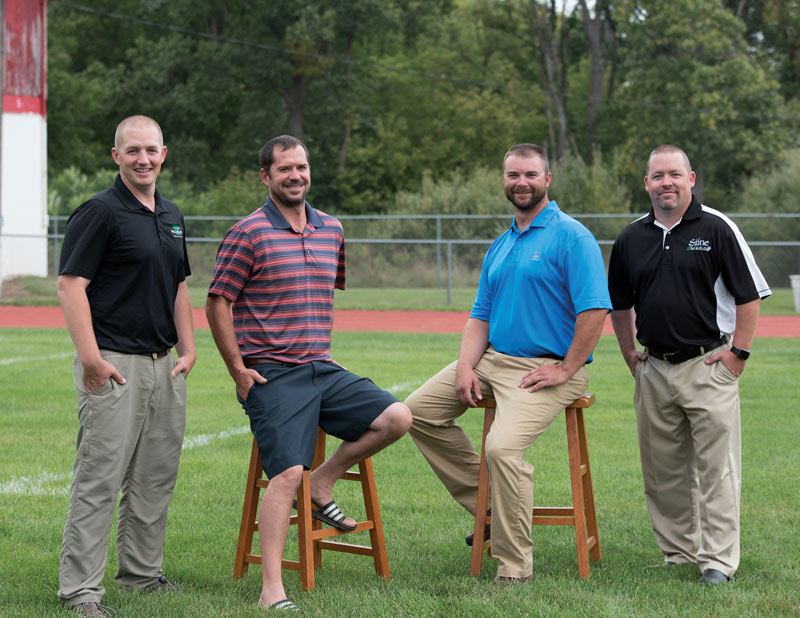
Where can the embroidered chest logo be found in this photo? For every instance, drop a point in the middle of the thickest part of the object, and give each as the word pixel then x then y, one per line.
pixel 177 232
pixel 698 244
pixel 536 257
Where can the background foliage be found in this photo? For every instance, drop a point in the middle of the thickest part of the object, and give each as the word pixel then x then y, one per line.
pixel 394 96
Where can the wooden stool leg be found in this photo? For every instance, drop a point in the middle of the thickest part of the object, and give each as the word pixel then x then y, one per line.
pixel 576 479
pixel 305 538
pixel 476 560
pixel 588 491
pixel 249 511
pixel 377 540
pixel 319 458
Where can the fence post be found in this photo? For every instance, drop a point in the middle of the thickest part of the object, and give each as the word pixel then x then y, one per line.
pixel 449 269
pixel 438 252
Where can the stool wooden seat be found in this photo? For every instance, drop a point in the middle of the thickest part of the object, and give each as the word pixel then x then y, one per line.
pixel 310 532
pixel 582 514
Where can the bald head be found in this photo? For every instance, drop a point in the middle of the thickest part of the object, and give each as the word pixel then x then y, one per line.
pixel 138 122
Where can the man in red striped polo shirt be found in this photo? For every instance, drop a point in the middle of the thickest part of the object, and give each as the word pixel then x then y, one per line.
pixel 278 268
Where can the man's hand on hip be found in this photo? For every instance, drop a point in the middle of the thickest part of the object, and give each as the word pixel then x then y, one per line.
pixel 183 365
pixel 97 374
pixel 544 376
pixel 468 387
pixel 245 380
pixel 633 358
pixel 734 364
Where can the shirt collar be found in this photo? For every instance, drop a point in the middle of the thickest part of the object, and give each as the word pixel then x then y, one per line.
pixel 279 222
pixel 543 219
pixel 129 201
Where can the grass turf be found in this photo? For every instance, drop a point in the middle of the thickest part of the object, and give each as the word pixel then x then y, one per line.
pixel 424 527
pixel 42 291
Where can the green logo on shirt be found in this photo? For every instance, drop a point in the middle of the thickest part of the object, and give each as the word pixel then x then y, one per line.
pixel 177 232
pixel 698 244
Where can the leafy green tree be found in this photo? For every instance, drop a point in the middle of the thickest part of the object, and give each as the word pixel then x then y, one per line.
pixel 443 107
pixel 690 81
pixel 774 189
pixel 773 32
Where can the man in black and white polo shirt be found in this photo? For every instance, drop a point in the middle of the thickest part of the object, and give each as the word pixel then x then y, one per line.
pixel 683 279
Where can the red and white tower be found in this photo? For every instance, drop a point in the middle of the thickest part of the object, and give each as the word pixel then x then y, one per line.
pixel 23 136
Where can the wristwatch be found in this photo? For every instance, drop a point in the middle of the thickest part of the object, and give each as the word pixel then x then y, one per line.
pixel 739 353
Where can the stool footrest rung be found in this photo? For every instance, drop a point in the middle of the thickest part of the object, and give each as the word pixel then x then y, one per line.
pixel 556 520
pixel 347 548
pixel 324 533
pixel 549 511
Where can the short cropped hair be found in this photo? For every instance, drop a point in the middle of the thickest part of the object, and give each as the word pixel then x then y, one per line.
pixel 137 120
pixel 266 157
pixel 667 149
pixel 528 150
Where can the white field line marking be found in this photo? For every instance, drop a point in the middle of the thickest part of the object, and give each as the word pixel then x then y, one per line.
pixel 402 386
pixel 204 439
pixel 50 484
pixel 43 484
pixel 22 359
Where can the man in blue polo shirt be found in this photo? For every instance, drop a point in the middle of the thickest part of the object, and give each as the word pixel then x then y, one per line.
pixel 540 307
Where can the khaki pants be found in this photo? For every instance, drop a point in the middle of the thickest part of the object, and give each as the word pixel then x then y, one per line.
pixel 130 438
pixel 521 418
pixel 690 446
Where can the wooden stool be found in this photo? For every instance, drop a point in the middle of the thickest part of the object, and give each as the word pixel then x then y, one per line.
pixel 581 514
pixel 310 533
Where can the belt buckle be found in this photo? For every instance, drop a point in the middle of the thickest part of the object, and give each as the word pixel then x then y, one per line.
pixel 668 355
pixel 154 355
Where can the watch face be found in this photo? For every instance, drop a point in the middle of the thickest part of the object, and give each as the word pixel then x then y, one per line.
pixel 742 354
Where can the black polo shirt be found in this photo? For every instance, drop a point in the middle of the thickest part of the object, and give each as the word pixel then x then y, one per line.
pixel 134 258
pixel 684 285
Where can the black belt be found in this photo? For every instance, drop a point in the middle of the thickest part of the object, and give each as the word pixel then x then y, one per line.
pixel 155 355
pixel 553 356
pixel 679 356
pixel 249 362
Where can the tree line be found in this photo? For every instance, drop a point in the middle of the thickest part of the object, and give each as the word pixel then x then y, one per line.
pixel 397 97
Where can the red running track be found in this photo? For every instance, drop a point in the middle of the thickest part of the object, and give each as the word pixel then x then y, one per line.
pixel 348 320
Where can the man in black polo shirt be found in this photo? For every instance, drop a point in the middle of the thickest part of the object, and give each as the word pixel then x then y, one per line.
pixel 123 292
pixel 685 279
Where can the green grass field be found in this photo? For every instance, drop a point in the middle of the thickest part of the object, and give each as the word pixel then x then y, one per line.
pixel 42 291
pixel 424 528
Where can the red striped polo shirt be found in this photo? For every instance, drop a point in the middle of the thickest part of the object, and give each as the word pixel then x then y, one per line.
pixel 281 283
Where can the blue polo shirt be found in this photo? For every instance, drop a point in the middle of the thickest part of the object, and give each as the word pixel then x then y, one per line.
pixel 536 281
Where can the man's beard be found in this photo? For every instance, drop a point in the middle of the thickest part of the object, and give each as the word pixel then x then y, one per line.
pixel 284 198
pixel 535 197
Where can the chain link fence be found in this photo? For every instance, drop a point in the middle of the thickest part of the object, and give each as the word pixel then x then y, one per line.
pixel 417 251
